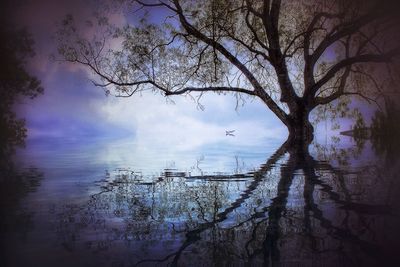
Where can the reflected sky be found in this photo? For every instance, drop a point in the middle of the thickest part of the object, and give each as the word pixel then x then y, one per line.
pixel 72 166
pixel 114 203
pixel 106 153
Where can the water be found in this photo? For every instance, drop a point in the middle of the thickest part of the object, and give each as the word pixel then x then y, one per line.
pixel 118 203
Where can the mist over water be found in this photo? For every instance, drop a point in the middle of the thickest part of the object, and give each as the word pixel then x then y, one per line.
pixel 91 202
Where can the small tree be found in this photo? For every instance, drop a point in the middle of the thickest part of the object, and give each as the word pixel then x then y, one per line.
pixel 292 55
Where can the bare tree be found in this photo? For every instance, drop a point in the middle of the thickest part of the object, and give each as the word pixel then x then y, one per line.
pixel 292 55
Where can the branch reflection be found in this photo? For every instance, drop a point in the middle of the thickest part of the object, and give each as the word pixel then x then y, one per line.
pixel 293 210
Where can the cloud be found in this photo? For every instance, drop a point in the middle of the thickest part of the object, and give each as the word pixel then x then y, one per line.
pixel 184 127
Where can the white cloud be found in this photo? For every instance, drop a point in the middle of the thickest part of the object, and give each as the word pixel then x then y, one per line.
pixel 183 127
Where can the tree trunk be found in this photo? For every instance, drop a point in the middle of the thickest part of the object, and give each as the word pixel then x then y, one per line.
pixel 301 131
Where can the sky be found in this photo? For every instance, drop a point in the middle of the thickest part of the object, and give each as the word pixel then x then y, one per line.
pixel 72 107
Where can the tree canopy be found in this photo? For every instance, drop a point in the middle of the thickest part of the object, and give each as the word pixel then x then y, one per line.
pixel 292 55
pixel 16 47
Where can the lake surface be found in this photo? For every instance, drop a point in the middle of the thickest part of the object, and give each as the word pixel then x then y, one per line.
pixel 117 203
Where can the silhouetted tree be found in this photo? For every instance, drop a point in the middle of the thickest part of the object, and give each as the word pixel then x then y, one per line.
pixel 16 47
pixel 385 128
pixel 293 55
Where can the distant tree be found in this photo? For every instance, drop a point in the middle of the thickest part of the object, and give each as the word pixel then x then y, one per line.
pixel 16 47
pixel 294 56
pixel 385 129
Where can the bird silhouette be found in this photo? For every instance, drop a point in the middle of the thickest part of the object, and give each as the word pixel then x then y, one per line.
pixel 229 133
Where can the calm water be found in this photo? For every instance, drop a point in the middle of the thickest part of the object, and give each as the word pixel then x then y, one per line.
pixel 118 203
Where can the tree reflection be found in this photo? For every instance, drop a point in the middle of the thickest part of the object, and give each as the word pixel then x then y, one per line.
pixel 16 219
pixel 293 209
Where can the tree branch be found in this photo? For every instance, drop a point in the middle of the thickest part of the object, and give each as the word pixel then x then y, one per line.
pixel 210 89
pixel 337 94
pixel 372 58
pixel 337 34
pixel 254 32
pixel 258 89
pixel 159 4
pixel 252 10
pixel 309 79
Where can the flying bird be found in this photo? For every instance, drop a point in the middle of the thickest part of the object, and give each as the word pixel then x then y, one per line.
pixel 229 133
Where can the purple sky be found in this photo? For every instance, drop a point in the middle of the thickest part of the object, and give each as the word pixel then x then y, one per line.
pixel 73 107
